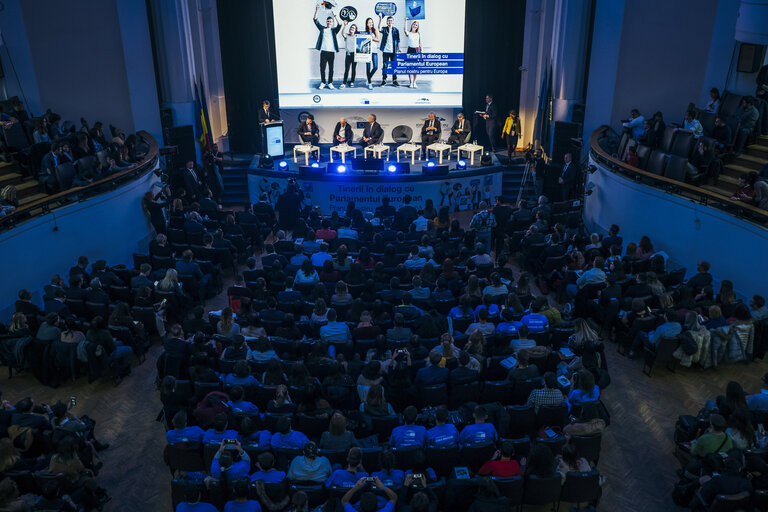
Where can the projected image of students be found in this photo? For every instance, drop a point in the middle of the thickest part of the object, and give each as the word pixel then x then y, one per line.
pixel 371 67
pixel 414 45
pixel 349 60
pixel 327 45
pixel 390 45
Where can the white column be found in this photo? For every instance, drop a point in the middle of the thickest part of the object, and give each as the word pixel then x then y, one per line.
pixel 175 62
pixel 570 38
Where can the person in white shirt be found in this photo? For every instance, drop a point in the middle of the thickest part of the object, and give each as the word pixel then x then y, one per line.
pixel 692 125
pixel 414 45
pixel 345 231
pixel 421 222
pixel 327 45
pixel 635 124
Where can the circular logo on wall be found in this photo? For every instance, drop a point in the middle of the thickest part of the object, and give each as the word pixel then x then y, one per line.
pixel 316 98
pixel 348 14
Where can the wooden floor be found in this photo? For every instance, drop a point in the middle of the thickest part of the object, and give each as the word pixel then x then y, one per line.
pixel 636 455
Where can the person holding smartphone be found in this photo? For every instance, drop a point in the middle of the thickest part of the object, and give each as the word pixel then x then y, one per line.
pixel 368 500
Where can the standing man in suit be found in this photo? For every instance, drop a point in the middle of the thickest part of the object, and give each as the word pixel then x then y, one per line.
pixel 309 132
pixel 430 133
pixel 193 180
pixel 372 134
pixel 490 120
pixel 48 167
pixel 342 134
pixel 267 114
pixel 567 179
pixel 459 131
pixel 327 45
pixel 390 45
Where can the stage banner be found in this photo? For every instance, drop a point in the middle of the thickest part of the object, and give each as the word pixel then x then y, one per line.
pixel 464 193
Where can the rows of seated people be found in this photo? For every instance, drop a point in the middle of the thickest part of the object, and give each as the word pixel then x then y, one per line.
pixel 722 452
pixel 60 156
pixel 49 458
pixel 278 364
pixel 281 420
pixel 635 300
pixel 695 150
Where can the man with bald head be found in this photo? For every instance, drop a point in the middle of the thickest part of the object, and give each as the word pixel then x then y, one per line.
pixel 343 132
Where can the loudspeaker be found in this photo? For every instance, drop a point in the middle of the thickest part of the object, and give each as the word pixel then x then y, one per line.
pixel 561 140
pixel 184 138
pixel 398 168
pixel 307 172
pixel 750 57
pixel 436 170
pixel 372 164
pixel 486 159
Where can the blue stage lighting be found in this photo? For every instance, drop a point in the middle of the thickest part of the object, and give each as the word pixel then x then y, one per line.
pixel 461 164
pixel 341 169
pixel 283 165
pixel 315 165
pixel 392 168
pixel 430 163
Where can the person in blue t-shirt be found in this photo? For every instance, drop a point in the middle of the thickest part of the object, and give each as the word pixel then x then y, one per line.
pixel 219 432
pixel 181 433
pixel 536 322
pixel 408 434
pixel 388 475
pixel 249 436
pixel 241 376
pixel 479 432
pixel 442 435
pixel 267 472
pixel 237 403
pixel 287 438
pixel 508 326
pixel 192 503
pixel 224 463
pixel 348 477
pixel 241 503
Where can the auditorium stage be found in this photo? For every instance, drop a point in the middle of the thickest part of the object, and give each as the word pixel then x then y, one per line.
pixel 459 190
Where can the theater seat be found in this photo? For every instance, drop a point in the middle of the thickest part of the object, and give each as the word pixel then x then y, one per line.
pixel 643 154
pixel 667 138
pixel 676 168
pixel 682 144
pixel 657 162
pixel 729 104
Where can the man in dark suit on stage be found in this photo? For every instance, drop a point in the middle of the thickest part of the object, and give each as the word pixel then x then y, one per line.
pixel 308 131
pixel 490 120
pixel 192 181
pixel 459 131
pixel 567 178
pixel 267 114
pixel 430 133
pixel 342 134
pixel 372 134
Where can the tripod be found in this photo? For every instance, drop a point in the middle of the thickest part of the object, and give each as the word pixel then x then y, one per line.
pixel 526 185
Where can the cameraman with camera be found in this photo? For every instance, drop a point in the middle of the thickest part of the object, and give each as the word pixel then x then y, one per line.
pixel 368 500
pixel 538 166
